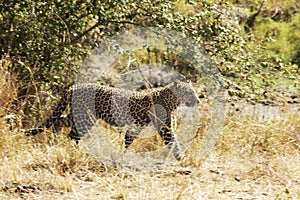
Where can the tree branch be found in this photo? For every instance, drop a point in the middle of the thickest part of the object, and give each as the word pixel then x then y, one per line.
pixel 85 32
pixel 98 24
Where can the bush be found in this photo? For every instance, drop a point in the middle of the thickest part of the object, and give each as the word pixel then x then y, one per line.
pixel 46 41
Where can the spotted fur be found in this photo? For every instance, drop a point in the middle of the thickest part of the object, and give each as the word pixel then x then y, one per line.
pixel 120 107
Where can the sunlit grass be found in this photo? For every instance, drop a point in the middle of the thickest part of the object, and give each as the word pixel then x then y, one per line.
pixel 252 158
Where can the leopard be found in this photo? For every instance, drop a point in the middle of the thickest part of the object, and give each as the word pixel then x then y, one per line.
pixel 119 107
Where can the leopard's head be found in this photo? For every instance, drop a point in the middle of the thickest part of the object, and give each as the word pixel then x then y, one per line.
pixel 184 93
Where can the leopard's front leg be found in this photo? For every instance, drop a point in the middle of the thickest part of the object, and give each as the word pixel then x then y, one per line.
pixel 170 140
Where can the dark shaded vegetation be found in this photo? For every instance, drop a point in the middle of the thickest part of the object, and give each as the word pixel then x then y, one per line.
pixel 253 43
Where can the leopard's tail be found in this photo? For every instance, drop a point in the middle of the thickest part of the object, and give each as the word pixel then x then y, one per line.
pixel 56 115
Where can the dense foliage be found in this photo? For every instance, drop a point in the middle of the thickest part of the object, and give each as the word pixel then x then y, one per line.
pixel 45 41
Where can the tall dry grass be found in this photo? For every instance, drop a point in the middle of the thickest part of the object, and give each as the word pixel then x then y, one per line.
pixel 253 159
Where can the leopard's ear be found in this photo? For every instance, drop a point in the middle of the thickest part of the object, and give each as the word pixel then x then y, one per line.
pixel 177 83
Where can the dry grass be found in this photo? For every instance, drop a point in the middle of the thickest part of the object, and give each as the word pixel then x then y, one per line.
pixel 250 161
pixel 253 160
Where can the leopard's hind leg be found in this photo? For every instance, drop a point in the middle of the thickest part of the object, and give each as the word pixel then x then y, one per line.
pixel 130 136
